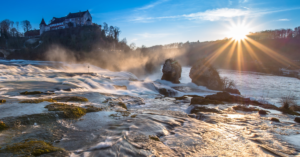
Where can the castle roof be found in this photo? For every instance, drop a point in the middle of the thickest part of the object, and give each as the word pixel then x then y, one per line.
pixel 32 33
pixel 43 22
pixel 74 15
pixel 58 20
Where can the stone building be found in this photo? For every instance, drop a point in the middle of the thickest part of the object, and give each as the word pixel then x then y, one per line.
pixel 71 20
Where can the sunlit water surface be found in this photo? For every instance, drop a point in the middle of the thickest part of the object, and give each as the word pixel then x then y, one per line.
pixel 117 132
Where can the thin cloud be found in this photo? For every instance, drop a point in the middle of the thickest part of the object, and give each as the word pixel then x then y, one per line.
pixel 152 35
pixel 283 20
pixel 215 14
pixel 151 5
pixel 243 1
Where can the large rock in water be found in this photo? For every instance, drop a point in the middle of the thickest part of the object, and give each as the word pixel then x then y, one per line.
pixel 171 71
pixel 203 74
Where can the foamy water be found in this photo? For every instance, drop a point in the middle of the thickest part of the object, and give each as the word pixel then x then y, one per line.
pixel 113 132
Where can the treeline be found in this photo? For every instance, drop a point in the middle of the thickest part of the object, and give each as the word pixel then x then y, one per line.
pixel 276 34
pixel 10 34
pixel 265 51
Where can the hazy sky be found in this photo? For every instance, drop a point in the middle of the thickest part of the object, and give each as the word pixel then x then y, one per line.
pixel 161 22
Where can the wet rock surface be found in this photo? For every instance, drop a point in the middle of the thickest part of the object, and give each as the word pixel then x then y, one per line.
pixel 232 91
pixel 150 125
pixel 297 119
pixel 203 74
pixel 171 71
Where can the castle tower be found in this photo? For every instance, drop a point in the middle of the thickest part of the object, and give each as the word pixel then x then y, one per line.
pixel 42 26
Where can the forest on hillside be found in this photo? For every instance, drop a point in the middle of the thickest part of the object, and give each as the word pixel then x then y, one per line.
pixel 264 51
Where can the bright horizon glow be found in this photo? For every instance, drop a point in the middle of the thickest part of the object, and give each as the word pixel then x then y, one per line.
pixel 238 32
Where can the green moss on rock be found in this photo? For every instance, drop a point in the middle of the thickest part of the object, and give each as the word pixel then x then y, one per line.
pixel 3 126
pixel 133 116
pixel 155 138
pixel 70 111
pixel 35 148
pixel 76 112
pixel 31 93
pixel 36 101
pixel 91 108
pixel 71 98
pixel 122 105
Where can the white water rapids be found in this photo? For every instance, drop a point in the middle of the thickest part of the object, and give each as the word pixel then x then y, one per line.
pixel 115 132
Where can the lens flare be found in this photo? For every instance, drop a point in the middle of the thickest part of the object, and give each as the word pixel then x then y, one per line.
pixel 238 32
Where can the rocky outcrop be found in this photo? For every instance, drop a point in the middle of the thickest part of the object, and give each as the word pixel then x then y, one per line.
pixel 232 91
pixel 274 119
pixel 297 119
pixel 204 74
pixel 167 92
pixel 171 71
pixel 202 101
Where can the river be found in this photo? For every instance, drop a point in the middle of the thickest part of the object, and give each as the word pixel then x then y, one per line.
pixel 116 131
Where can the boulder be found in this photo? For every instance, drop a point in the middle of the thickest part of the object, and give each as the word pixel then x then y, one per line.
pixel 262 112
pixel 232 91
pixel 297 119
pixel 171 71
pixel 225 96
pixel 274 120
pixel 244 108
pixel 204 74
pixel 202 101
pixel 167 92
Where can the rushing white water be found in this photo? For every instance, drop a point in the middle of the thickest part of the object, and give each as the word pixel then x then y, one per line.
pixel 252 84
pixel 115 131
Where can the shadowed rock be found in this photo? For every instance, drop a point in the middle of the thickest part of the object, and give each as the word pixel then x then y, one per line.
pixel 202 101
pixel 171 71
pixel 262 112
pixel 297 119
pixel 203 74
pixel 232 91
pixel 275 120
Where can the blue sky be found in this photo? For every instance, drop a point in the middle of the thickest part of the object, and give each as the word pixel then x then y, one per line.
pixel 158 22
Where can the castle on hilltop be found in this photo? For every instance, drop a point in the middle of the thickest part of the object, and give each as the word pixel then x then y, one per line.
pixel 71 20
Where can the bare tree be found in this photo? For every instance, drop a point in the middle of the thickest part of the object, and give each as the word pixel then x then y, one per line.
pixel 132 46
pixel 12 23
pixel 116 33
pixel 228 84
pixel 26 25
pixel 288 101
pixel 111 31
pixel 13 32
pixel 17 24
pixel 4 27
pixel 105 28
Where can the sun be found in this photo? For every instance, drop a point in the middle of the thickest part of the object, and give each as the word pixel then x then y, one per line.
pixel 238 32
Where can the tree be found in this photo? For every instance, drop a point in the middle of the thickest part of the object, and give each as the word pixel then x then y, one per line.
pixel 105 28
pixel 26 25
pixel 116 33
pixel 111 31
pixel 17 25
pixel 13 32
pixel 12 23
pixel 4 27
pixel 132 46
